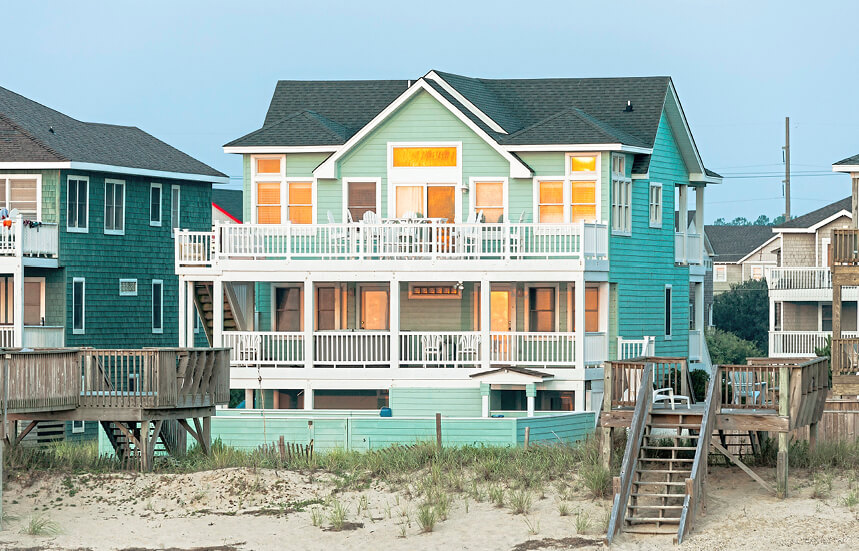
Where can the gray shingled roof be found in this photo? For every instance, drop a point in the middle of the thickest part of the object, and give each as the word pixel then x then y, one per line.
pixel 31 132
pixel 731 243
pixel 229 200
pixel 854 160
pixel 819 215
pixel 531 111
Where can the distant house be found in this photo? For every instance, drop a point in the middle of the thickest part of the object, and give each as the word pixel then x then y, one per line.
pixel 800 287
pixel 741 253
pixel 227 206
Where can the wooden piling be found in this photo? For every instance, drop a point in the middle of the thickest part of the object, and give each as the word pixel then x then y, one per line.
pixel 527 436
pixel 438 430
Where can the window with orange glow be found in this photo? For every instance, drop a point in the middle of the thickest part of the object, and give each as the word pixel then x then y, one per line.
pixel 268 166
pixel 268 203
pixel 551 202
pixel 424 156
pixel 300 207
pixel 374 309
pixel 489 198
pixel 592 309
pixel 410 200
pixel 586 163
pixel 583 206
pixel 441 203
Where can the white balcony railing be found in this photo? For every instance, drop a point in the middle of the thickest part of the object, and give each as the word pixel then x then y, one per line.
pixel 596 348
pixel 266 349
pixel 393 241
pixel 793 344
pixel 634 348
pixel 7 336
pixel 352 348
pixel 688 248
pixel 785 279
pixel 537 349
pixel 440 349
pixel 695 344
pixel 22 239
pixel 44 336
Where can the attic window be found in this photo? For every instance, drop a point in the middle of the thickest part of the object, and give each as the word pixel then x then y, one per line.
pixel 424 156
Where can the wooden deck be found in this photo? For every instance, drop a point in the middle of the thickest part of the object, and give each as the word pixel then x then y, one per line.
pixel 845 272
pixel 766 395
pixel 138 395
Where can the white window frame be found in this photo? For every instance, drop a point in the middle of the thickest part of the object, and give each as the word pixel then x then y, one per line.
pixel 82 329
pixel 717 277
pixel 78 427
pixel 424 175
pixel 621 198
pixel 668 314
pixel 347 181
pixel 78 228
pixel 526 303
pixel 472 193
pixel 175 223
pixel 284 202
pixel 127 294
pixel 569 177
pixel 37 177
pixel 655 207
pixel 825 244
pixel 268 178
pixel 113 182
pixel 152 186
pixel 41 282
pixel 158 330
pixel 752 271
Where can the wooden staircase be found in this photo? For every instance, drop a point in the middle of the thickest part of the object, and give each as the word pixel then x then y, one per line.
pixel 204 303
pixel 661 484
pixel 128 452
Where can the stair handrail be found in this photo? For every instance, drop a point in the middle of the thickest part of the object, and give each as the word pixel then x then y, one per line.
pixel 623 484
pixel 698 475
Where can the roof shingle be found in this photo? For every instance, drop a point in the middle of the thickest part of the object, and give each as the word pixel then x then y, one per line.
pixel 819 215
pixel 731 243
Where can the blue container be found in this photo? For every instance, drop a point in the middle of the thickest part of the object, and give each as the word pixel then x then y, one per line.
pixel 385 412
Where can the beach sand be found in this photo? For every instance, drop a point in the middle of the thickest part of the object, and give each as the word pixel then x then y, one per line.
pixel 244 509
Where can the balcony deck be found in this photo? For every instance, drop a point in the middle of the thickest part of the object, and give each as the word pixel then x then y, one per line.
pixel 392 245
pixel 36 245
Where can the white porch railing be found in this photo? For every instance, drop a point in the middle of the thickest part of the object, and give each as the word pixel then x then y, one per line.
pixel 39 240
pixel 695 336
pixel 634 348
pixel 352 348
pixel 267 349
pixel 440 349
pixel 596 348
pixel 783 279
pixel 689 250
pixel 7 336
pixel 44 336
pixel 791 344
pixel 527 348
pixel 395 240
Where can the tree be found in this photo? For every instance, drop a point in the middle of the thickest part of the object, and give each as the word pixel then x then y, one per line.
pixel 740 221
pixel 720 222
pixel 763 220
pixel 728 349
pixel 744 311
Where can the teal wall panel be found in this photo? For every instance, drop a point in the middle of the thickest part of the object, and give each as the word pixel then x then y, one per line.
pixel 452 402
pixel 565 427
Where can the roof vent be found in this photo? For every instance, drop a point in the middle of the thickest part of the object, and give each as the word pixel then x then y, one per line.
pixel 409 84
pixel 628 108
pixel 51 129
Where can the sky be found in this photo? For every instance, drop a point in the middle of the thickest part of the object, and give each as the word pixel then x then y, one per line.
pixel 199 74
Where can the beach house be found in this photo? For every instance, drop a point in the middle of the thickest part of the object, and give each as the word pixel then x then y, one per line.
pixel 454 244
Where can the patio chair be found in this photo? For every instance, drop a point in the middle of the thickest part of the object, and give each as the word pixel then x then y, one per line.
pixel 432 347
pixel 248 349
pixel 744 385
pixel 664 395
pixel 515 236
pixel 468 236
pixel 467 349
pixel 338 236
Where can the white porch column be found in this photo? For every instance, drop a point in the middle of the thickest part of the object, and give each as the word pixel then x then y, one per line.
pixel 485 323
pixel 249 398
pixel 18 300
pixel 579 319
pixel 218 310
pixel 484 399
pixel 772 328
pixel 308 333
pixel 699 212
pixel 699 314
pixel 183 314
pixel 308 397
pixel 682 223
pixel 530 397
pixel 394 323
pixel 192 315
pixel 579 398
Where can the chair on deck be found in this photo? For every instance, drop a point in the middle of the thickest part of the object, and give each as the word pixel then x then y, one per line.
pixel 515 237
pixel 467 349
pixel 338 236
pixel 432 347
pixel 664 395
pixel 744 385
pixel 468 236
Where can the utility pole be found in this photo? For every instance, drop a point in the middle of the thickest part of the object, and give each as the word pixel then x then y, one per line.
pixel 786 149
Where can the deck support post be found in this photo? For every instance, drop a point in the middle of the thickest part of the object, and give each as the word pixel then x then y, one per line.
pixel 143 441
pixel 394 323
pixel 18 291
pixel 207 434
pixel 192 314
pixel 812 436
pixel 308 326
pixel 530 397
pixel 781 464
pixel 579 328
pixel 485 323
pixel 218 312
pixel 484 399
pixel 249 398
pixel 607 437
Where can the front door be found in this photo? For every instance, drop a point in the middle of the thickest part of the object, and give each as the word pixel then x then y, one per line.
pixel 374 309
pixel 441 202
pixel 501 320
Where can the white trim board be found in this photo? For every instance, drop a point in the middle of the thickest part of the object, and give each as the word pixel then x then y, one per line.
pixel 845 168
pixel 327 169
pixel 580 148
pixel 818 225
pixel 97 167
pixel 758 248
pixel 432 75
pixel 263 149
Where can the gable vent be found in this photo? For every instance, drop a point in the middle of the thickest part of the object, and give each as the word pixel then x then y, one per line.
pixel 128 287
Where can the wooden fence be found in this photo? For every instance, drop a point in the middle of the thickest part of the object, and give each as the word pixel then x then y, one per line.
pixel 840 421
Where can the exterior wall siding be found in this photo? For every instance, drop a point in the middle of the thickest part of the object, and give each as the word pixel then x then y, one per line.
pixel 143 253
pixel 419 402
pixel 50 197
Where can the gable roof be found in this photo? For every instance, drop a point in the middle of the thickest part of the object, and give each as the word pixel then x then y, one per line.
pixel 32 133
pixel 854 160
pixel 816 216
pixel 228 201
pixel 733 243
pixel 528 111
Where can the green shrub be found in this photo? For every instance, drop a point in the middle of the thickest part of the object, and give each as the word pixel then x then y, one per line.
pixel 700 378
pixel 744 311
pixel 728 349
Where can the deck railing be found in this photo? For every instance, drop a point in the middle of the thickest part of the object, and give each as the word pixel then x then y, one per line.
pixel 7 336
pixel 788 279
pixel 623 378
pixel 44 336
pixel 845 247
pixel 41 381
pixel 41 239
pixel 800 344
pixel 596 347
pixel 265 348
pixel 352 348
pixel 634 348
pixel 533 349
pixel 695 346
pixel 690 250
pixel 750 386
pixel 397 240
pixel 440 349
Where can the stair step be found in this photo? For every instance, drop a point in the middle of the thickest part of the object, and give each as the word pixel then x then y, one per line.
pixel 662 520
pixel 657 483
pixel 664 471
pixel 693 426
pixel 651 529
pixel 655 506
pixel 663 459
pixel 678 448
pixel 638 495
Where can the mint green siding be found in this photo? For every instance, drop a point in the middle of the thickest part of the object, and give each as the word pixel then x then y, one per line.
pixel 144 253
pixel 418 402
pixel 50 186
pixel 569 427
pixel 643 263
